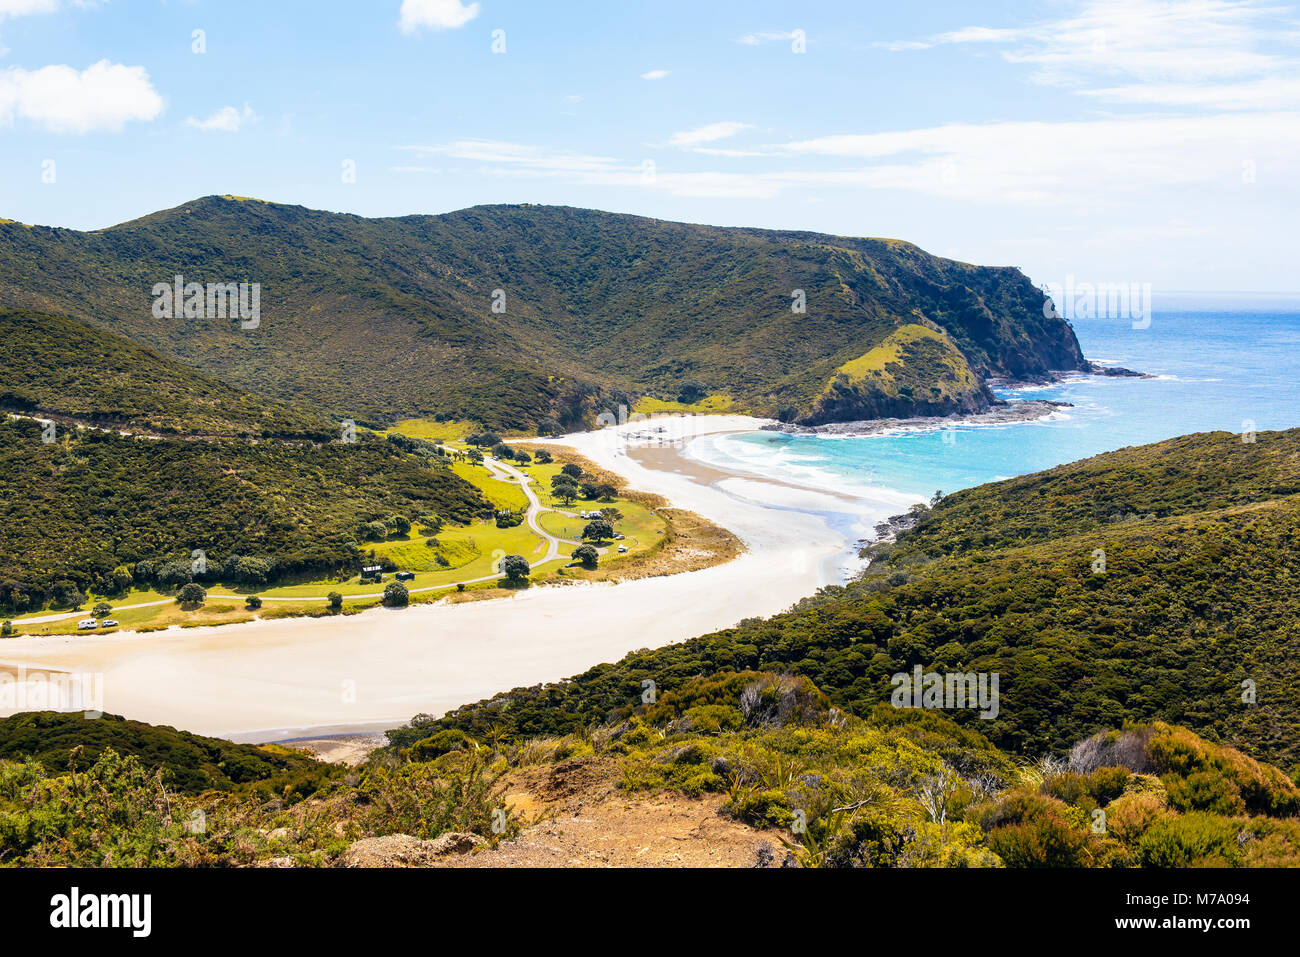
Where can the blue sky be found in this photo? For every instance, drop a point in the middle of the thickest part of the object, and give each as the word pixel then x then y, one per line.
pixel 1132 141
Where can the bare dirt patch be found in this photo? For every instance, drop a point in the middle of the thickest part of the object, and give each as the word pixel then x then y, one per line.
pixel 587 821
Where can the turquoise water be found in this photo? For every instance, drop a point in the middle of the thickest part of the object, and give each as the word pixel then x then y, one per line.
pixel 1216 370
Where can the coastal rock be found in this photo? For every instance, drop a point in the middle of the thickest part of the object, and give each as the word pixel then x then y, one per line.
pixel 403 850
pixel 999 414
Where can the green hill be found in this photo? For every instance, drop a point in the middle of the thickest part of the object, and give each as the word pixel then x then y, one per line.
pixel 191 763
pixel 56 366
pixel 77 510
pixel 1145 584
pixel 379 319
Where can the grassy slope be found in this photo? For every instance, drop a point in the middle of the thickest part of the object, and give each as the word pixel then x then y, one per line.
pixel 54 365
pixel 390 318
pixel 915 370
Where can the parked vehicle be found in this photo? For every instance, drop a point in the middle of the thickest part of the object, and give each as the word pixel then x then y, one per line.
pixel 404 576
pixel 109 623
pixel 88 624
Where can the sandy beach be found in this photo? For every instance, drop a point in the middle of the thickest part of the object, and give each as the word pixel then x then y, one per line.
pixel 292 678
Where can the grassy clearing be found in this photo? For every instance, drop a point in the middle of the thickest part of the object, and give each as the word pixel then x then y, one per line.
pixel 434 431
pixel 504 495
pixel 709 405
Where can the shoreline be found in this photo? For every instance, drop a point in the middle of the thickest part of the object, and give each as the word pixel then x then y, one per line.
pixel 287 678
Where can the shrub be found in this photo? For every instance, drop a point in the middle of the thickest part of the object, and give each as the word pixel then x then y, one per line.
pixel 1186 840
pixel 436 745
pixel 335 601
pixel 1032 830
pixel 1129 816
pixel 252 603
pixel 396 595
pixel 1204 791
pixel 191 595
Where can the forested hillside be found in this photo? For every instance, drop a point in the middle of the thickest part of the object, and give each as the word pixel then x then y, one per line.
pixel 103 511
pixel 56 366
pixel 520 316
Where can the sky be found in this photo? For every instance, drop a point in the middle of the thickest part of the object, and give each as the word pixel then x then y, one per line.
pixel 1116 141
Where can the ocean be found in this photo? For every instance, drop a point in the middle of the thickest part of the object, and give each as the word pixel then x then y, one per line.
pixel 1227 368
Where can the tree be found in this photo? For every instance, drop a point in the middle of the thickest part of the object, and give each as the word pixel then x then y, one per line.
pixel 549 426
pixel 606 492
pixel 692 391
pixel 336 600
pixel 251 571
pixel 175 573
pixel 398 524
pixel 101 610
pixel 544 457
pixel 375 531
pixel 573 470
pixel 522 456
pixel 515 567
pixel 564 487
pixel 6 629
pixel 611 514
pixel 396 595
pixel 191 595
pixel 432 524
pixel 586 555
pixel 252 603
pixel 590 490
pixel 598 530
pixel 503 451
pixel 122 577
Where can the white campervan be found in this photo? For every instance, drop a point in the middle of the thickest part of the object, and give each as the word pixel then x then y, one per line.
pixel 86 624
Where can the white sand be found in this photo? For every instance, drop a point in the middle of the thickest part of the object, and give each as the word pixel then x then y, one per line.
pixel 271 680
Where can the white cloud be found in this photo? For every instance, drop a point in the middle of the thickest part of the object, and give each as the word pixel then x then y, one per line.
pixel 22 8
pixel 1160 52
pixel 228 119
pixel 103 97
pixel 688 139
pixel 654 74
pixel 1087 163
pixel 435 14
pixel 1084 166
pixel 754 39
